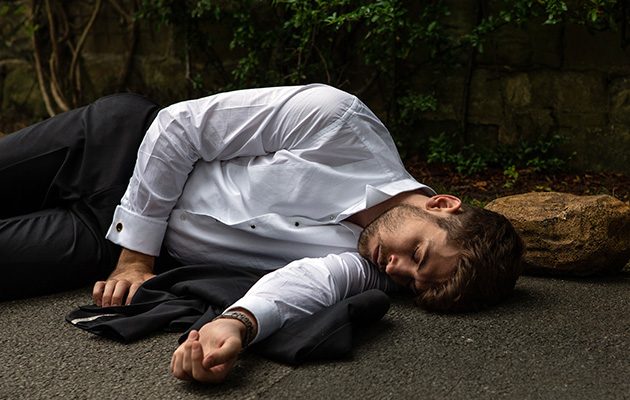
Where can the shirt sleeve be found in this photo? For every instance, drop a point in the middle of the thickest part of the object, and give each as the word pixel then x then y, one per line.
pixel 306 286
pixel 222 127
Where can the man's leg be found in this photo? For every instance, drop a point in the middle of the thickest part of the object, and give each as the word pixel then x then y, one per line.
pixel 62 179
pixel 30 160
pixel 47 251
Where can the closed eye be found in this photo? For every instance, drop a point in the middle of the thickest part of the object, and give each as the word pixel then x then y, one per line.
pixel 412 286
pixel 420 257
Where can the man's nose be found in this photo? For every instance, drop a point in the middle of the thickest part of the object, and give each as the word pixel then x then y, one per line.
pixel 396 265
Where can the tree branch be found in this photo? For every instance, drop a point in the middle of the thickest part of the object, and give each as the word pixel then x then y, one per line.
pixel 126 67
pixel 77 51
pixel 123 13
pixel 38 65
pixel 323 59
pixel 55 89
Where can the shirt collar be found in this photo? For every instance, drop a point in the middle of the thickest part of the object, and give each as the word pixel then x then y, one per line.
pixel 377 194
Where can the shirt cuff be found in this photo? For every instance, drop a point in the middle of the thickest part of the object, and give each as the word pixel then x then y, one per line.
pixel 265 312
pixel 136 232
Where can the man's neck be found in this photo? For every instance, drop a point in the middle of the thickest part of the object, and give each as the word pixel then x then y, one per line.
pixel 364 217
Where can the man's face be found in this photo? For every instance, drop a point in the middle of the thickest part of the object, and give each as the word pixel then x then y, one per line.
pixel 412 250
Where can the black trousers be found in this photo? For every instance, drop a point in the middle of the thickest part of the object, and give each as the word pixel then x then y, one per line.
pixel 61 180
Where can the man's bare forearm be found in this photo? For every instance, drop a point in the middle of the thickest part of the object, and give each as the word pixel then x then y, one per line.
pixel 130 259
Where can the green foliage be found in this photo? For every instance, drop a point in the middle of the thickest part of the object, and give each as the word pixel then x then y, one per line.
pixel 538 155
pixel 466 160
pixel 15 27
pixel 600 14
pixel 413 105
pixel 362 45
pixel 511 175
pixel 555 9
pixel 283 42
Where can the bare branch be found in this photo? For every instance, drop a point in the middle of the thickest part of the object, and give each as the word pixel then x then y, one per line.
pixel 38 65
pixel 321 57
pixel 55 89
pixel 12 61
pixel 126 67
pixel 65 26
pixel 123 13
pixel 86 30
pixel 359 92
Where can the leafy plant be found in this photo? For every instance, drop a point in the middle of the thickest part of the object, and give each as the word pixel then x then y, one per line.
pixel 413 105
pixel 466 160
pixel 511 176
pixel 539 155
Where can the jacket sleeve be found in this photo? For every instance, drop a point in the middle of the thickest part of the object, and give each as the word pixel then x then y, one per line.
pixel 308 285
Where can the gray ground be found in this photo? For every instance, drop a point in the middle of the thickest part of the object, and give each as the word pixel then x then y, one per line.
pixel 556 339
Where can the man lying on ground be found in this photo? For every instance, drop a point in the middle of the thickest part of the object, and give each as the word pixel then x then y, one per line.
pixel 303 180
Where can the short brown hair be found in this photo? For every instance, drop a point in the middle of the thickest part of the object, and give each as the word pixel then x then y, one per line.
pixel 489 263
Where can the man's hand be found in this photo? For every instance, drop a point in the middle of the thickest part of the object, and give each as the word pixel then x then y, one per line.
pixel 209 355
pixel 132 270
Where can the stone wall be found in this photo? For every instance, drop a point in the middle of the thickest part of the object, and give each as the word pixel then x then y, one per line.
pixel 156 68
pixel 542 80
pixel 530 81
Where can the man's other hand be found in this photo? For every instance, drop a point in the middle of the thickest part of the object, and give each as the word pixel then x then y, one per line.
pixel 132 270
pixel 209 355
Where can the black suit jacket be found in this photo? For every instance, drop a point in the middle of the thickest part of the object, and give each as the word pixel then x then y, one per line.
pixel 188 297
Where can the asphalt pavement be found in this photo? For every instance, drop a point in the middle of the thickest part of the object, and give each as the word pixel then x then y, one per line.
pixel 554 339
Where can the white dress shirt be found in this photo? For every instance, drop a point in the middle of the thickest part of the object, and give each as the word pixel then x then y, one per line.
pixel 265 178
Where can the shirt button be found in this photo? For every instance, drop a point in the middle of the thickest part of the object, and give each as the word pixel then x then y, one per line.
pixel 119 227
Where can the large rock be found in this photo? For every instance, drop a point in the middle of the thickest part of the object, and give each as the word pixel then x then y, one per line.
pixel 565 233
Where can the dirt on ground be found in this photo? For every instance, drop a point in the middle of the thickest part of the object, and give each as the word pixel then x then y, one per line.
pixel 481 188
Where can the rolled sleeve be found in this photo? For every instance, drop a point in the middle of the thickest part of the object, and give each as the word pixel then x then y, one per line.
pixel 137 232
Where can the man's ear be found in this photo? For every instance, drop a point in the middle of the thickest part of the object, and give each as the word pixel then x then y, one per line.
pixel 443 203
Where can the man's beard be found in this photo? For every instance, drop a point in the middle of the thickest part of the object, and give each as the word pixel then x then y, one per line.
pixel 367 233
pixel 388 221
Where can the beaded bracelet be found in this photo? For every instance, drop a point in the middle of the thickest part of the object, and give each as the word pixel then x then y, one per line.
pixel 249 326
